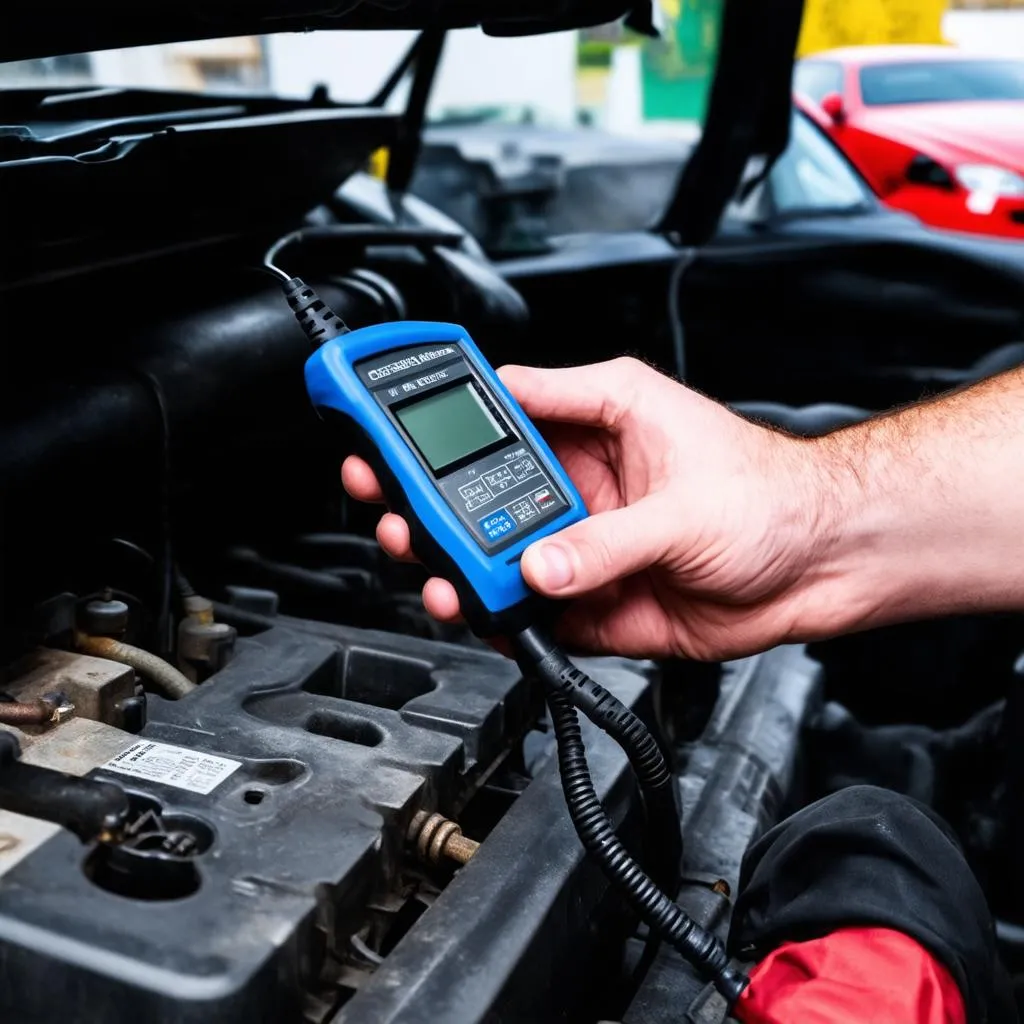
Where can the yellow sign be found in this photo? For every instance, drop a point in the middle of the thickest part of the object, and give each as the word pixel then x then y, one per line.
pixel 831 23
pixel 378 165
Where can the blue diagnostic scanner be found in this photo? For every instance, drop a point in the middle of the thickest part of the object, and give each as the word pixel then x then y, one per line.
pixel 455 455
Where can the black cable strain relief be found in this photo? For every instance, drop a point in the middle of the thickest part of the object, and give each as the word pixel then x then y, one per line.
pixel 731 984
pixel 538 654
pixel 314 316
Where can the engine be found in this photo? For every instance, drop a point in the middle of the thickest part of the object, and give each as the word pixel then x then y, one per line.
pixel 339 821
pixel 245 778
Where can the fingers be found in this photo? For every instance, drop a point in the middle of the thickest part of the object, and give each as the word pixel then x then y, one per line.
pixel 393 537
pixel 597 395
pixel 359 480
pixel 440 599
pixel 606 547
pixel 392 531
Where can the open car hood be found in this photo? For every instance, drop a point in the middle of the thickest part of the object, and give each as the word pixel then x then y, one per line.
pixel 748 111
pixel 46 28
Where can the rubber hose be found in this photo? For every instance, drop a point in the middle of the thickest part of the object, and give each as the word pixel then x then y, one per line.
pixel 91 809
pixel 539 654
pixel 164 676
pixel 662 915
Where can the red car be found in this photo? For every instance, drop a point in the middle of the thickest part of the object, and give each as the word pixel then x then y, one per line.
pixel 936 132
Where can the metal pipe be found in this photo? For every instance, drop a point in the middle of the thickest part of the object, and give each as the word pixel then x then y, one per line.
pixel 164 676
pixel 32 712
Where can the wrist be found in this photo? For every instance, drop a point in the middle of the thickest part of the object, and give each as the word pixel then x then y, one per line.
pixel 848 575
pixel 888 545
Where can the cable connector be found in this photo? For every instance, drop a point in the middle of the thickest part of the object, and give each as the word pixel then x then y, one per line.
pixel 315 317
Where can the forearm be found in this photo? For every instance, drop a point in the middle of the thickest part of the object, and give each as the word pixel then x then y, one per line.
pixel 922 510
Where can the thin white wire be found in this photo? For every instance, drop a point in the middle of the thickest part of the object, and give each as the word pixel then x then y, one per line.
pixel 675 319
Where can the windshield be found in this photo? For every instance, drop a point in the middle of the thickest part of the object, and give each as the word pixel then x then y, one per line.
pixel 525 137
pixel 286 65
pixel 606 76
pixel 480 79
pixel 812 176
pixel 942 81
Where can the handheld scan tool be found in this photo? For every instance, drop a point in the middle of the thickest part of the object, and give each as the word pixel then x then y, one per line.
pixel 475 481
pixel 455 455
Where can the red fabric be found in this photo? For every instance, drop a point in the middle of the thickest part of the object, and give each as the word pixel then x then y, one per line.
pixel 853 976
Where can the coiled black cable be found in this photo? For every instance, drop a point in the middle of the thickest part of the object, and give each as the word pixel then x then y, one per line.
pixel 595 830
pixel 538 654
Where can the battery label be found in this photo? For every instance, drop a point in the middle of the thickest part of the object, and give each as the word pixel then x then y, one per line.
pixel 173 766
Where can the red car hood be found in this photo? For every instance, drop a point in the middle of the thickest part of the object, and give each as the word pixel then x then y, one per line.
pixel 991 131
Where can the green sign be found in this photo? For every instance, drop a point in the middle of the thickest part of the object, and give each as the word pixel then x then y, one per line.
pixel 677 69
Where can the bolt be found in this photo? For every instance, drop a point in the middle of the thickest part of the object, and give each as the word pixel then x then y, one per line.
pixel 63 708
pixel 437 837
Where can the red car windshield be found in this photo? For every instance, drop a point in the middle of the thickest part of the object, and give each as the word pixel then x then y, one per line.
pixel 942 81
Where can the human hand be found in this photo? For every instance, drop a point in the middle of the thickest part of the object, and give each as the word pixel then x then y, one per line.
pixel 705 529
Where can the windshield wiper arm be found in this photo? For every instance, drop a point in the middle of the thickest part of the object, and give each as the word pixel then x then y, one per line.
pixel 108 103
pixel 143 123
pixel 24 142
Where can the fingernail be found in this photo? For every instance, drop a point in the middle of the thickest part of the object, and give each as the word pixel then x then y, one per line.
pixel 556 567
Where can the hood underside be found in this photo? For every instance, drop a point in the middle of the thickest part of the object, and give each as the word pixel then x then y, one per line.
pixel 52 27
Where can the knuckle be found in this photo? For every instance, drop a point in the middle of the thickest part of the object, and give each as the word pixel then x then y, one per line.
pixel 625 369
pixel 596 555
pixel 618 390
pixel 627 364
pixel 625 394
pixel 632 369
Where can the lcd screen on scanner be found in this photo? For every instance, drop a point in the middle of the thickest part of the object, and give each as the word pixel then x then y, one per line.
pixel 449 425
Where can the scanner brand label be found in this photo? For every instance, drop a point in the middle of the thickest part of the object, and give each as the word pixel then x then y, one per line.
pixel 425 382
pixel 409 362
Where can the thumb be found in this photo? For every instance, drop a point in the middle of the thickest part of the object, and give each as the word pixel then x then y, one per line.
pixel 598 550
pixel 597 395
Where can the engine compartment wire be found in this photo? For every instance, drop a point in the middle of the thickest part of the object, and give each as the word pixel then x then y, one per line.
pixel 161 674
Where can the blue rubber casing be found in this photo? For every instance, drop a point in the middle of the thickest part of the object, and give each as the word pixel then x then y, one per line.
pixel 493 581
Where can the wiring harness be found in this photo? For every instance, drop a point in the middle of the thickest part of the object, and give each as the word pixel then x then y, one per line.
pixel 570 689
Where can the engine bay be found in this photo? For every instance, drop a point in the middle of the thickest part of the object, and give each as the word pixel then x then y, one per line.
pixel 243 775
pixel 290 856
pixel 340 810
